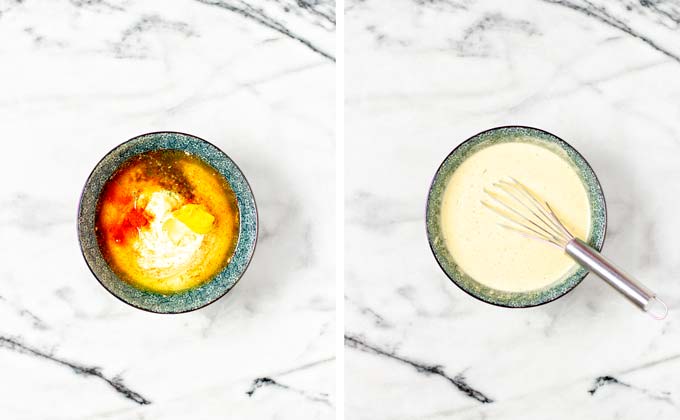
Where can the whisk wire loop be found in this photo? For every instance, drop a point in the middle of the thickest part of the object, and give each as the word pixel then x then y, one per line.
pixel 534 219
pixel 541 206
pixel 511 214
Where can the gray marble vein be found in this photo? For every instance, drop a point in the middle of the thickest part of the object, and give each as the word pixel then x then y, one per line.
pixel 26 314
pixel 99 4
pixel 457 381
pixel 602 381
pixel 444 5
pixel 305 366
pixel 259 15
pixel 269 382
pixel 115 382
pixel 378 319
pixel 33 213
pixel 375 212
pixel 473 41
pixel 131 43
pixel 602 13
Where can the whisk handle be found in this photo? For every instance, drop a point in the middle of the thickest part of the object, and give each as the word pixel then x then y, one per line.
pixel 636 292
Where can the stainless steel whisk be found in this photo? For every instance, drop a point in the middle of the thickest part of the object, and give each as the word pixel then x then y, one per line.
pixel 531 216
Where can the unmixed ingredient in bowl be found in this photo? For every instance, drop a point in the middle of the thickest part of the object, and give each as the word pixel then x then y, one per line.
pixel 499 258
pixel 166 221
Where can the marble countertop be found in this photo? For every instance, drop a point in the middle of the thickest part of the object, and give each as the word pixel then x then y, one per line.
pixel 78 77
pixel 422 76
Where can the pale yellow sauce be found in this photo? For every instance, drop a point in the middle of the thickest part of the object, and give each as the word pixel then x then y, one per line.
pixel 499 258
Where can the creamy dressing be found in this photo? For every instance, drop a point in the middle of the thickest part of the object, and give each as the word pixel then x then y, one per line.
pixel 499 258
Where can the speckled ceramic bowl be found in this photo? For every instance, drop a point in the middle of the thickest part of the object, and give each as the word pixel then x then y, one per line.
pixel 598 213
pixel 194 298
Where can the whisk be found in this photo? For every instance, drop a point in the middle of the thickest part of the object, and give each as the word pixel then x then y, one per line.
pixel 532 217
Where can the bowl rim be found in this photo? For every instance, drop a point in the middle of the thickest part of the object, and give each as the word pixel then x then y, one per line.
pixel 250 254
pixel 427 212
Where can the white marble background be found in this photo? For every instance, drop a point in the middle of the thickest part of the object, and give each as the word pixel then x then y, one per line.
pixel 422 76
pixel 79 77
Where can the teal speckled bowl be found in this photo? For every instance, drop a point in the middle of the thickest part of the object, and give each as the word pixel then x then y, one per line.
pixel 194 298
pixel 598 213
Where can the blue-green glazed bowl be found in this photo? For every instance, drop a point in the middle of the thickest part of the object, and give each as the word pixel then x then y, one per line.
pixel 598 214
pixel 191 299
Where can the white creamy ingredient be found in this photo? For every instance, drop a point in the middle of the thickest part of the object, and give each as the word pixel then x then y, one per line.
pixel 497 257
pixel 166 252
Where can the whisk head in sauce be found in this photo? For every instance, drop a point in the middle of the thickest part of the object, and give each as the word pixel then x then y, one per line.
pixel 526 213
